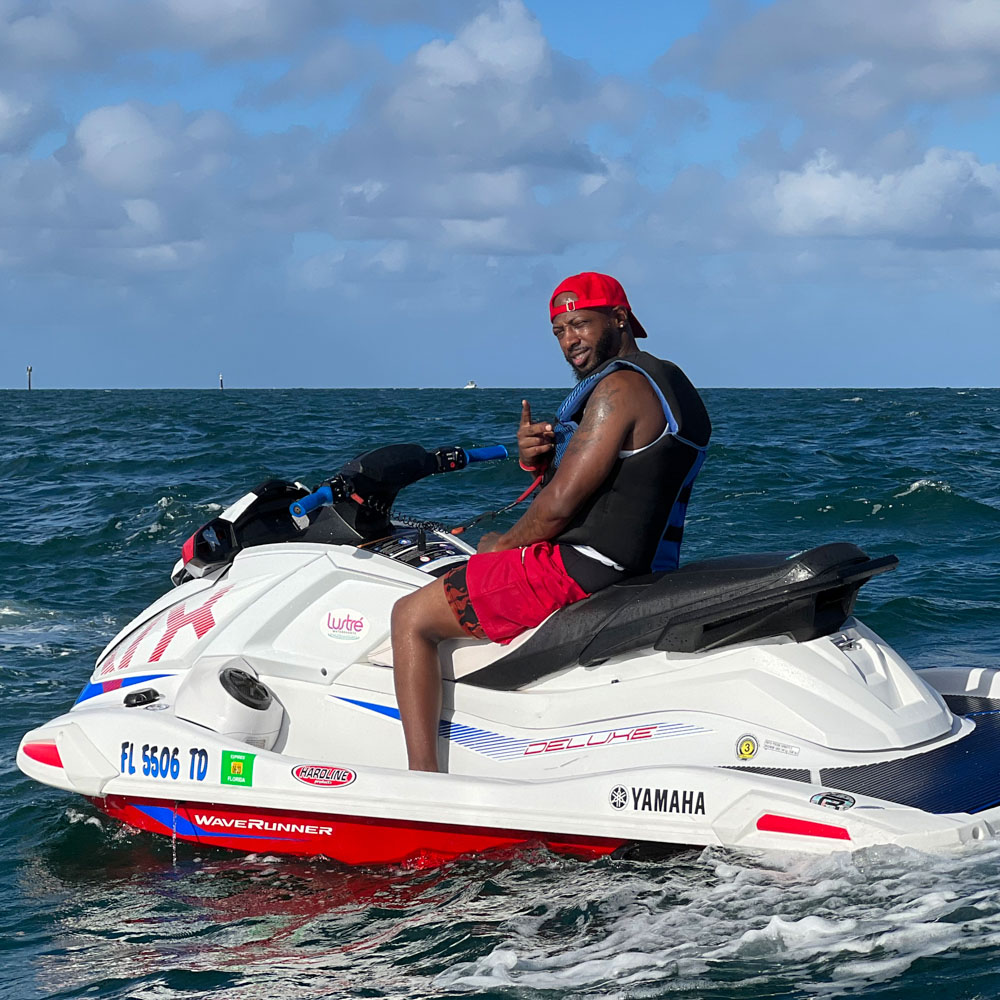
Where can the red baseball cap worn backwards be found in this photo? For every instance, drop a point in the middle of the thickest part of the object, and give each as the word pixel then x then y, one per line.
pixel 592 290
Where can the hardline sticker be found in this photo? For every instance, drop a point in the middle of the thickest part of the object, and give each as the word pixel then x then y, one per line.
pixel 323 775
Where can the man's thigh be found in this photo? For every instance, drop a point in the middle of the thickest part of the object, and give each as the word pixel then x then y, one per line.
pixel 430 611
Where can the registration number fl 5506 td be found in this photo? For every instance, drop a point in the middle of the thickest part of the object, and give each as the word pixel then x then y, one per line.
pixel 164 762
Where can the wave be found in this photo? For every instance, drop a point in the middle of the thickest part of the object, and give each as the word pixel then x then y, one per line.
pixel 91 524
pixel 934 485
pixel 749 928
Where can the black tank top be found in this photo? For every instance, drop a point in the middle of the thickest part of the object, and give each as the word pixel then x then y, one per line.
pixel 627 516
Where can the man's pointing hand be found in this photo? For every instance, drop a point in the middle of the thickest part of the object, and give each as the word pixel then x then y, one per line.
pixel 535 441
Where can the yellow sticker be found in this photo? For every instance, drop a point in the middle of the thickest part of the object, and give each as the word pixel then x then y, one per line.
pixel 746 747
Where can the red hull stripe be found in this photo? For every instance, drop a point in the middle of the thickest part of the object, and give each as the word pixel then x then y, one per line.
pixel 44 753
pixel 803 827
pixel 350 839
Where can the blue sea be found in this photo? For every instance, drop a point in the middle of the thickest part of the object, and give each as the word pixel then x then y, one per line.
pixel 99 490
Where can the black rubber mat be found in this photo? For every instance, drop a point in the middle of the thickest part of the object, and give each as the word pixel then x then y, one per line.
pixel 788 773
pixel 962 777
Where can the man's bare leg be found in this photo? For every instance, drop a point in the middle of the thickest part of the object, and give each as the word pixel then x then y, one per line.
pixel 419 622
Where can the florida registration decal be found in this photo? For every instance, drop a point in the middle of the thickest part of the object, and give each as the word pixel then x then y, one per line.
pixel 237 768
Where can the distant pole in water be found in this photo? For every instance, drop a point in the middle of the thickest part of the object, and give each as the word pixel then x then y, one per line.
pixel 29 378
pixel 221 386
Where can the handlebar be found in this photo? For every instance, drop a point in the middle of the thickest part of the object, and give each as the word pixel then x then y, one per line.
pixel 320 498
pixel 443 460
pixel 487 454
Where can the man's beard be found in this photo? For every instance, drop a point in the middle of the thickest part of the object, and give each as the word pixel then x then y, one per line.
pixel 604 350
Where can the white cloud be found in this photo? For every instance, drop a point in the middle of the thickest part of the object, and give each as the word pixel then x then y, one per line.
pixel 947 198
pixel 488 137
pixel 332 66
pixel 224 23
pixel 144 213
pixel 394 257
pixel 122 149
pixel 847 70
pixel 480 143
pixel 40 38
pixel 22 120
pixel 487 158
pixel 319 272
pixel 65 34
pixel 180 255
pixel 505 46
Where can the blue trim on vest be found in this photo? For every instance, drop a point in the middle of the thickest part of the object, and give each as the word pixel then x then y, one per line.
pixel 668 553
pixel 565 426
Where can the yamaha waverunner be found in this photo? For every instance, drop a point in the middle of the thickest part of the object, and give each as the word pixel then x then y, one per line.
pixel 735 701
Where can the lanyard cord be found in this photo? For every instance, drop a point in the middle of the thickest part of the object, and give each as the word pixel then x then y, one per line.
pixel 503 510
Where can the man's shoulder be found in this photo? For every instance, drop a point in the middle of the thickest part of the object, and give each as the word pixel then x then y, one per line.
pixel 620 378
pixel 647 361
pixel 636 370
pixel 624 386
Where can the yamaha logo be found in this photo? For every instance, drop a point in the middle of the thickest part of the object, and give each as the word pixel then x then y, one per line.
pixel 618 797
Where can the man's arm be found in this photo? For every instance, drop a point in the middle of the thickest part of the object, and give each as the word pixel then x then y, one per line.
pixel 608 419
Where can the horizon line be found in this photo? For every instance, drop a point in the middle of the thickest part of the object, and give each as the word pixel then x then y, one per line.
pixel 449 388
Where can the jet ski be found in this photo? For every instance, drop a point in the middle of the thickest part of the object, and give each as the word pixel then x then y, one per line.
pixel 736 701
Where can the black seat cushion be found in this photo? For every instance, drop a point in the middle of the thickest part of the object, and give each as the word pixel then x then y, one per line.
pixel 702 605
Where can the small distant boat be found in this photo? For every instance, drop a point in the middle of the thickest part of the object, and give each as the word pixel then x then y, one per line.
pixel 471 384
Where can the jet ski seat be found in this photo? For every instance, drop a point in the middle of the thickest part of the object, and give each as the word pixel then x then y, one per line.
pixel 703 605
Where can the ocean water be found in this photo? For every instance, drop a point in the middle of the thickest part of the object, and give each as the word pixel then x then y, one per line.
pixel 99 489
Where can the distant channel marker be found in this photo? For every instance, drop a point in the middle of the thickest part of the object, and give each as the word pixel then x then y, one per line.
pixel 29 378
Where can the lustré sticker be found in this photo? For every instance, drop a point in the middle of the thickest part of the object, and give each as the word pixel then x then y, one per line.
pixel 323 775
pixel 237 768
pixel 345 625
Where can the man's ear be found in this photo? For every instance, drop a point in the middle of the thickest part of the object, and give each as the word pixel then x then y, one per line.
pixel 620 314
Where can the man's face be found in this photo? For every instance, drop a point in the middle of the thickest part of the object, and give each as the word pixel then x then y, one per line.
pixel 587 337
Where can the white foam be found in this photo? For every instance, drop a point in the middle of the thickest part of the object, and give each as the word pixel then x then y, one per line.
pixel 75 816
pixel 844 922
pixel 925 484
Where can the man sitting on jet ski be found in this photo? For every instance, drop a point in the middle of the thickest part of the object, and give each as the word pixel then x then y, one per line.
pixel 618 462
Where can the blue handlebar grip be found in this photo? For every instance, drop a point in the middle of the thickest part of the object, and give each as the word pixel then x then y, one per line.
pixel 322 497
pixel 486 454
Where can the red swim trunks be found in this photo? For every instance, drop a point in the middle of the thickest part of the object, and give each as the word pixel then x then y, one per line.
pixel 499 595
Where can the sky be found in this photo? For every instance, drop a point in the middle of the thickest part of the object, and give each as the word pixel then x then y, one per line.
pixel 385 192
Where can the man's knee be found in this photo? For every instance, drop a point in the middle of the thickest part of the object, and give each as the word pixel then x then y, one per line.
pixel 415 614
pixel 404 615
